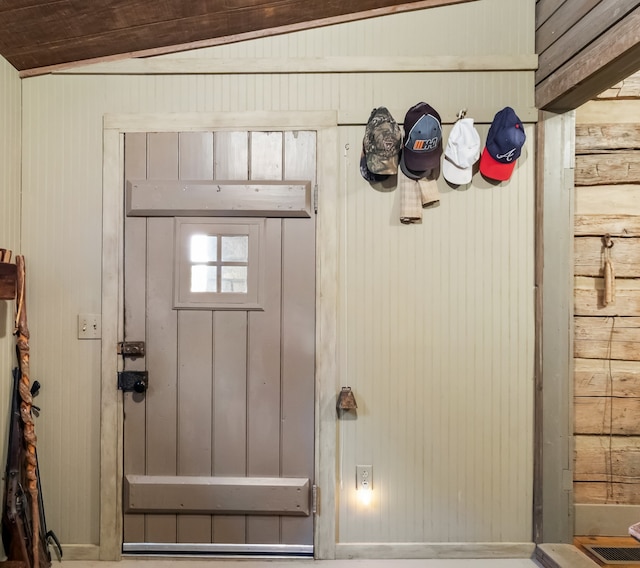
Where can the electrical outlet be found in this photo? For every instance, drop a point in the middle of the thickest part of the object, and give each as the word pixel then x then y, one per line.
pixel 364 477
pixel 89 326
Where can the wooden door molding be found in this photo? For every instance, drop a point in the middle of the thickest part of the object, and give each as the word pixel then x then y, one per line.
pixel 111 421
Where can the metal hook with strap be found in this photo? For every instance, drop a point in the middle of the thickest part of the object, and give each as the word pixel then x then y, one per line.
pixel 609 272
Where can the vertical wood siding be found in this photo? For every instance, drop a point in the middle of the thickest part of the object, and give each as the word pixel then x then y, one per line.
pixel 436 333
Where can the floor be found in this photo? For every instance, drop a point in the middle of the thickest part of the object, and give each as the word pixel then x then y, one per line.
pixel 579 541
pixel 191 563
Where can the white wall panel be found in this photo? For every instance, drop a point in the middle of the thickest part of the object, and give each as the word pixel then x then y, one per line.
pixel 495 27
pixel 439 320
pixel 10 114
pixel 436 319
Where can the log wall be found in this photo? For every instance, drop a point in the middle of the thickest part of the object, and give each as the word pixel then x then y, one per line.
pixel 607 334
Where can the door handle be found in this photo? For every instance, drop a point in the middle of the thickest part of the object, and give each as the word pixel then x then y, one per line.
pixel 133 381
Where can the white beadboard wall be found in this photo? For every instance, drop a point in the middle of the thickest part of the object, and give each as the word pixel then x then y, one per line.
pixel 10 113
pixel 436 320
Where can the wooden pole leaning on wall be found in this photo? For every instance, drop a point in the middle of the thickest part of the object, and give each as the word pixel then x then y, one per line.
pixel 31 463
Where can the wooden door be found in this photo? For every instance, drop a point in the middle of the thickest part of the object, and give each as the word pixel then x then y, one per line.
pixel 219 450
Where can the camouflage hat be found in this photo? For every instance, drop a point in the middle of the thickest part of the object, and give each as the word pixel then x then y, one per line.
pixel 368 175
pixel 382 142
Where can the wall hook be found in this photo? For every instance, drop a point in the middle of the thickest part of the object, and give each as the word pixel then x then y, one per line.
pixel 607 241
pixel 346 399
pixel 462 113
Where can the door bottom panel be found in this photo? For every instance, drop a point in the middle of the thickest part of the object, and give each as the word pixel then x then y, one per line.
pixel 219 495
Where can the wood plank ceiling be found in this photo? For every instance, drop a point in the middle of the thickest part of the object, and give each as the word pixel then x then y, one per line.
pixel 582 50
pixel 40 36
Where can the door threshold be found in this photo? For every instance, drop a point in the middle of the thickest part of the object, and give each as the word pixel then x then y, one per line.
pixel 267 551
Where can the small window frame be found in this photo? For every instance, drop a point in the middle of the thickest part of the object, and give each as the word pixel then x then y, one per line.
pixel 185 228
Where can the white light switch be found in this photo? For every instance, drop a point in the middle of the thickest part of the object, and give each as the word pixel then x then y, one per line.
pixel 89 326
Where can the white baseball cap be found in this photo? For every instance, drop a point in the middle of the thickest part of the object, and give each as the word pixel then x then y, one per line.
pixel 461 153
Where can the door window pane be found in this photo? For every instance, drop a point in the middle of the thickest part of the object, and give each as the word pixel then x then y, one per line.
pixel 204 278
pixel 204 248
pixel 234 279
pixel 217 263
pixel 235 249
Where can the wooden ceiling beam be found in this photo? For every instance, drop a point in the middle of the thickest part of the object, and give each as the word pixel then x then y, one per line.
pixel 609 59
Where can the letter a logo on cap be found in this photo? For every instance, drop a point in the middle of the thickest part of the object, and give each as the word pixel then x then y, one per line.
pixel 505 140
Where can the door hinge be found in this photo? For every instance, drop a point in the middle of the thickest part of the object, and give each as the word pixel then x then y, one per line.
pixel 314 499
pixel 315 198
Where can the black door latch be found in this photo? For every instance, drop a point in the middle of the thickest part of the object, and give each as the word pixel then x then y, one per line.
pixel 133 381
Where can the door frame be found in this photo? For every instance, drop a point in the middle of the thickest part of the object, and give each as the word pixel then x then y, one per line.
pixel 115 126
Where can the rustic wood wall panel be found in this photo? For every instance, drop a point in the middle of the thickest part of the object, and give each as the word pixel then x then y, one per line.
pixel 607 469
pixel 607 335
pixel 589 297
pixel 437 319
pixel 596 137
pixel 627 88
pixel 590 252
pixel 607 415
pixel 604 459
pixel 600 377
pixel 612 209
pixel 600 169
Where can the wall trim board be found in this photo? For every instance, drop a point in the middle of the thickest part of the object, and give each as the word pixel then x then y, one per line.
pixel 80 552
pixel 554 384
pixel 605 520
pixel 198 121
pixel 528 115
pixel 111 420
pixel 296 65
pixel 221 121
pixel 473 550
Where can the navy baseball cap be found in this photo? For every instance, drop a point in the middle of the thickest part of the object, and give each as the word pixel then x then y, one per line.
pixel 422 146
pixel 504 145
